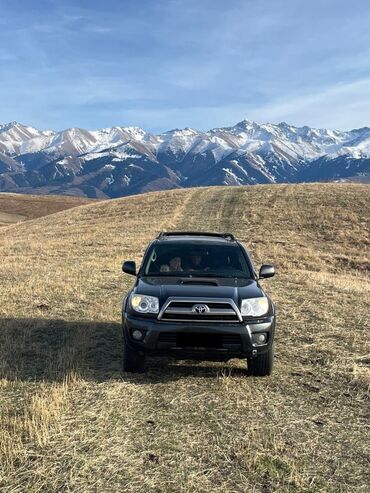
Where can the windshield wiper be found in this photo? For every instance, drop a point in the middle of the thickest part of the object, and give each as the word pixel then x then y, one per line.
pixel 168 274
pixel 195 274
pixel 222 276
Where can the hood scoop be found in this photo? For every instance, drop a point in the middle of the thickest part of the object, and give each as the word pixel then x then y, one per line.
pixel 199 282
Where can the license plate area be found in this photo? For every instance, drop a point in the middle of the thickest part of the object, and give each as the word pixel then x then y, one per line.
pixel 192 340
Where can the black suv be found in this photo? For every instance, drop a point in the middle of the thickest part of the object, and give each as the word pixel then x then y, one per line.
pixel 197 296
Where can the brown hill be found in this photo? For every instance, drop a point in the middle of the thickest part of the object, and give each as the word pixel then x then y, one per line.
pixel 16 207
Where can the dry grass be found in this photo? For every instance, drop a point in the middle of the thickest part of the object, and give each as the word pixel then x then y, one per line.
pixel 15 208
pixel 71 421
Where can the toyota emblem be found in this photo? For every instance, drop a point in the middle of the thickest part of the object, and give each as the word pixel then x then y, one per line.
pixel 201 309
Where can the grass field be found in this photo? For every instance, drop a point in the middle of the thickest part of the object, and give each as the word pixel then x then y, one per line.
pixel 71 421
pixel 15 208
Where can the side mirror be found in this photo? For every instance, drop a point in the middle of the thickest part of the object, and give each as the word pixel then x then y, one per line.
pixel 266 270
pixel 129 267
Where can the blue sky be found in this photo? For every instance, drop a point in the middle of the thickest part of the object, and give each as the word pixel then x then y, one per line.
pixel 165 64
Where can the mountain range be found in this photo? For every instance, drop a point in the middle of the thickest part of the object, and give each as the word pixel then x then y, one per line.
pixel 118 161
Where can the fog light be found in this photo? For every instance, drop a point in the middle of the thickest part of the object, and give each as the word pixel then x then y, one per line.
pixel 259 338
pixel 137 334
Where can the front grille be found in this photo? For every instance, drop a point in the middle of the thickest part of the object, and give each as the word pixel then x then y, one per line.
pixel 231 339
pixel 199 339
pixel 216 311
pixel 168 337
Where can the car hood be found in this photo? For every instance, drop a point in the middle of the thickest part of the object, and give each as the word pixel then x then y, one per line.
pixel 165 287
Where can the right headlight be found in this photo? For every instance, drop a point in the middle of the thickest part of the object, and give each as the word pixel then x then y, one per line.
pixel 254 307
pixel 144 304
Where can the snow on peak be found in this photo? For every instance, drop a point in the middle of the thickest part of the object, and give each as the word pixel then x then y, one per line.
pixel 246 124
pixel 13 135
pixel 284 140
pixel 135 133
pixel 20 128
pixel 180 132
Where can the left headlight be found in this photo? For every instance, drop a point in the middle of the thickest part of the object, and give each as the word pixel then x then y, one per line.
pixel 254 307
pixel 144 304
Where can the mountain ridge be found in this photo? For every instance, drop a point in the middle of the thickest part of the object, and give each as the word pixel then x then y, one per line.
pixel 118 161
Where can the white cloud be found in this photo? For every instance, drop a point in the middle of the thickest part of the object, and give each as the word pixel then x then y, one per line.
pixel 342 106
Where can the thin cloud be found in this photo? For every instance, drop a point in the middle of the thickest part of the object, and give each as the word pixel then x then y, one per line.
pixel 332 107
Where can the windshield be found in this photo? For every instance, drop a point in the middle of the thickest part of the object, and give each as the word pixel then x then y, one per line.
pixel 187 259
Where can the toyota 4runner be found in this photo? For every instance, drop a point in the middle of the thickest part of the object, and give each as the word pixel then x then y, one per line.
pixel 197 296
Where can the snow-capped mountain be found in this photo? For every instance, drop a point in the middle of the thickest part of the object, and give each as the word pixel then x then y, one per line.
pixel 118 161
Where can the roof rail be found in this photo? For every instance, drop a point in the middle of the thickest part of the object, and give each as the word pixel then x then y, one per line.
pixel 226 236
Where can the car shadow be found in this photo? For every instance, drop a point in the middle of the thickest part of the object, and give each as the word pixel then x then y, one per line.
pixel 41 349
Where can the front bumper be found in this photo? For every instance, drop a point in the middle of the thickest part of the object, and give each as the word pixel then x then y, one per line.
pixel 189 340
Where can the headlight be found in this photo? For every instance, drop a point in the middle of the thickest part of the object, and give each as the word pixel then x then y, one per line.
pixel 254 307
pixel 144 304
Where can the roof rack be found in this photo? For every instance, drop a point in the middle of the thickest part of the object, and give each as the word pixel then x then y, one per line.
pixel 226 236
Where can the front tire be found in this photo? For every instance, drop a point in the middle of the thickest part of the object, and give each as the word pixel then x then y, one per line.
pixel 133 361
pixel 261 365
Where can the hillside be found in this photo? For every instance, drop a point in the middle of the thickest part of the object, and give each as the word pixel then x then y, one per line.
pixel 72 421
pixel 119 161
pixel 16 207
